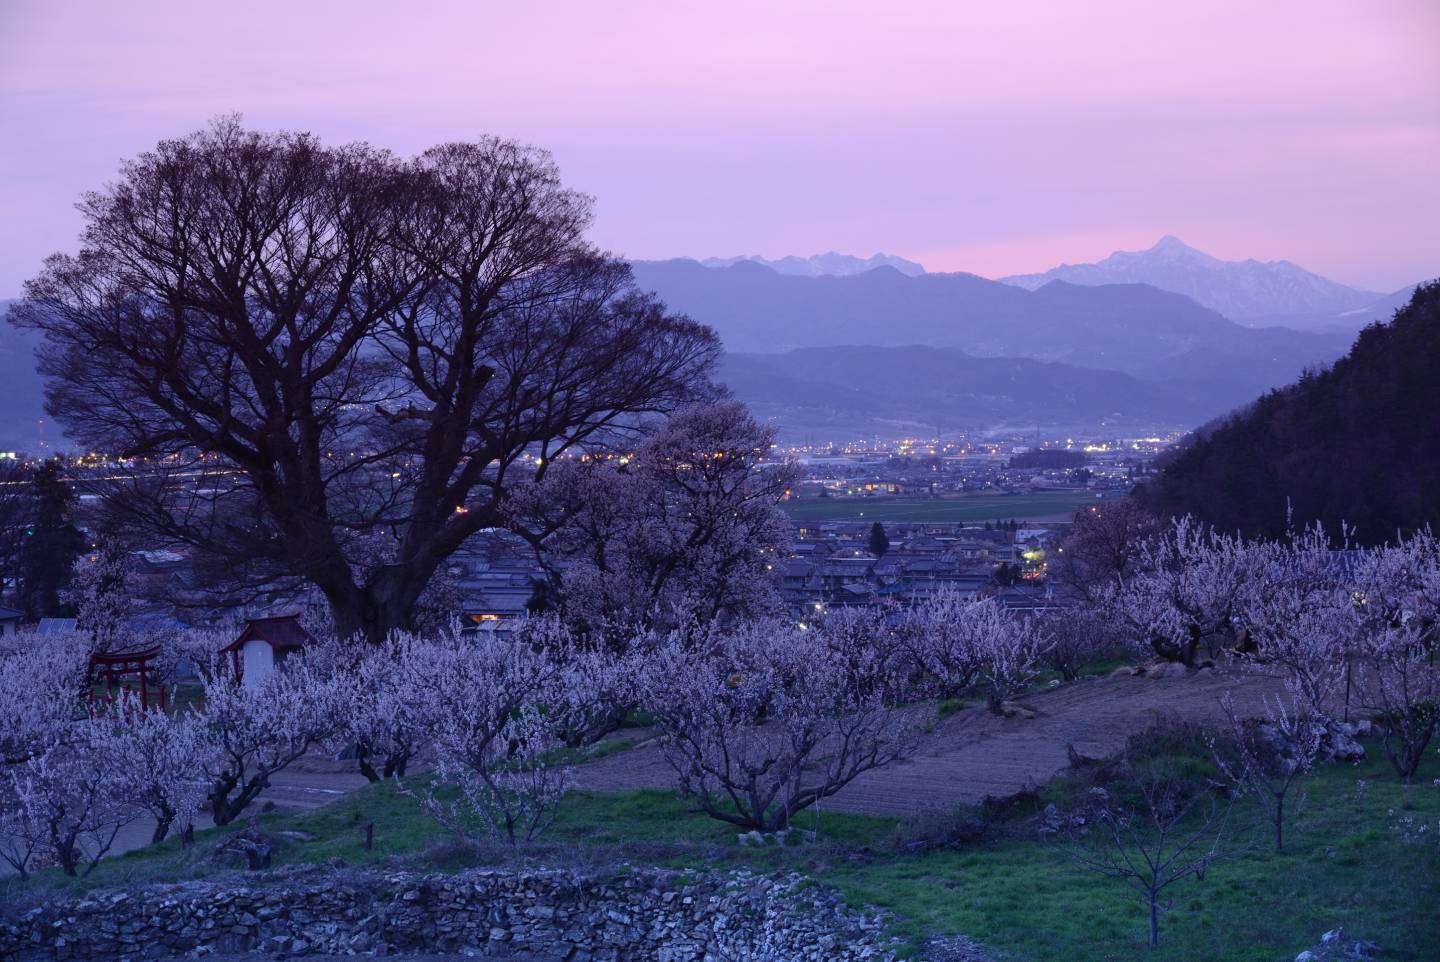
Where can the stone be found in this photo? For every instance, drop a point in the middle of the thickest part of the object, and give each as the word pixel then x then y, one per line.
pixel 1339 743
pixel 535 915
pixel 1166 669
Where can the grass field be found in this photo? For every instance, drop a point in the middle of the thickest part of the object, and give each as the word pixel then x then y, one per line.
pixel 975 508
pixel 1347 863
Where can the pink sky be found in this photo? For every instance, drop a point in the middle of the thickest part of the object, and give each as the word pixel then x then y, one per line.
pixel 988 137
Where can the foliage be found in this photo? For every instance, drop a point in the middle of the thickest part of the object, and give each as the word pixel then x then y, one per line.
pixel 15 515
pixel 69 801
pixel 1154 831
pixel 51 543
pixel 1268 756
pixel 385 722
pixel 1186 591
pixel 159 757
pixel 100 592
pixel 680 531
pixel 496 712
pixel 1076 638
pixel 1101 548
pixel 40 690
pixel 259 729
pixel 958 644
pixel 348 344
pixel 879 542
pixel 1399 610
pixel 1302 616
pixel 1048 458
pixel 1358 444
pixel 1013 894
pixel 765 722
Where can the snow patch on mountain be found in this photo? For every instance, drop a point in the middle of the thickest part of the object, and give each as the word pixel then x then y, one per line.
pixel 1237 289
pixel 829 264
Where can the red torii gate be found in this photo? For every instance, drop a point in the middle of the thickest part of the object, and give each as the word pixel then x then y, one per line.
pixel 112 668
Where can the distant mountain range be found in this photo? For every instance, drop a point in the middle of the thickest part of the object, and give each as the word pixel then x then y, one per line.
pixel 1241 290
pixel 829 264
pixel 1350 320
pixel 1065 354
pixel 1124 327
pixel 832 393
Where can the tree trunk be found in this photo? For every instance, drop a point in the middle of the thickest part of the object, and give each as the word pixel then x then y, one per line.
pixel 1154 921
pixel 220 798
pixel 374 611
pixel 223 808
pixel 67 855
pixel 162 826
pixel 366 769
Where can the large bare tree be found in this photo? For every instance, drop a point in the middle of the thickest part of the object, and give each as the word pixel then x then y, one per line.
pixel 307 350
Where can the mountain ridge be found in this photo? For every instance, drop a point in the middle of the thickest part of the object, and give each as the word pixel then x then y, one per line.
pixel 828 264
pixel 1128 327
pixel 857 390
pixel 1239 290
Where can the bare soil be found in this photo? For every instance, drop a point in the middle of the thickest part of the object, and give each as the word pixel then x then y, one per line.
pixel 974 754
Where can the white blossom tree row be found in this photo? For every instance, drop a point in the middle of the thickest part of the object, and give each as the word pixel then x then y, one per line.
pixel 764 713
pixel 760 718
pixel 1351 629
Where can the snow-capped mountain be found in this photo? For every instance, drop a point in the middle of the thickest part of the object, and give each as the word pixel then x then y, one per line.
pixel 1238 289
pixel 829 264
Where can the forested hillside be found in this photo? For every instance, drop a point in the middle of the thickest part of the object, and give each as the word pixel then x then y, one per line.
pixel 1358 443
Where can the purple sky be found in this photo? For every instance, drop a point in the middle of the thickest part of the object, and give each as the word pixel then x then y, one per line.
pixel 987 137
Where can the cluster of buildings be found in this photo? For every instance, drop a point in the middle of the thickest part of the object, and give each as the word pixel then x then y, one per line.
pixel 834 564
pixel 496 578
pixel 911 473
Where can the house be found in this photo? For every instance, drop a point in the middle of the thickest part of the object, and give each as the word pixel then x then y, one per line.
pixel 265 644
pixel 9 621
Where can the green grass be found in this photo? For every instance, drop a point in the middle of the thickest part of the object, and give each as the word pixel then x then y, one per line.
pixel 943 710
pixel 1344 865
pixel 592 828
pixel 952 509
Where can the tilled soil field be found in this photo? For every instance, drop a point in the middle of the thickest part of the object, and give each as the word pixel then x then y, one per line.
pixel 973 753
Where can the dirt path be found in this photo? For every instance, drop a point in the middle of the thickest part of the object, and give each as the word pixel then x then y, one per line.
pixel 308 783
pixel 973 754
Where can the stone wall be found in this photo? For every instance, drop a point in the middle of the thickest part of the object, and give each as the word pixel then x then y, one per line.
pixel 542 916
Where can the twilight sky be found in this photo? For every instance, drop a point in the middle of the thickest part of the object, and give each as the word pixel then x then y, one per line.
pixel 987 137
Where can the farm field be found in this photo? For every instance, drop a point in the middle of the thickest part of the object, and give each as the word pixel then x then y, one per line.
pixel 1041 504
